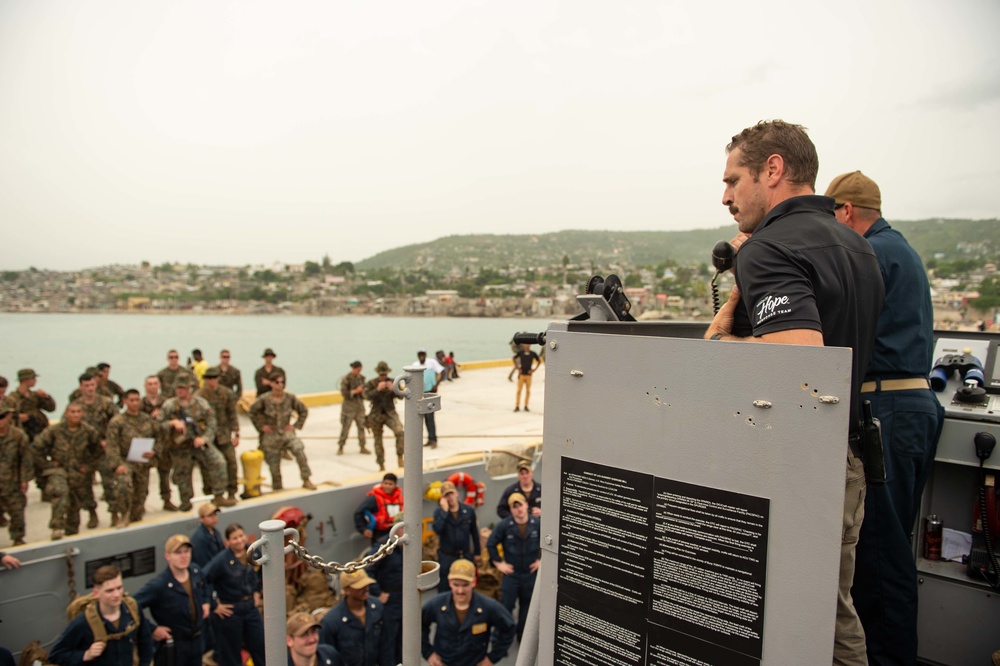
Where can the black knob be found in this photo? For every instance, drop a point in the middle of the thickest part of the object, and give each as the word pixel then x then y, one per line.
pixel 984 442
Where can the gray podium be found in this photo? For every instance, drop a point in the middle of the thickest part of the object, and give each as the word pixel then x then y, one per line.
pixel 693 498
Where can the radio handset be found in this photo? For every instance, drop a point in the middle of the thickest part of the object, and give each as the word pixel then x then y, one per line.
pixel 722 259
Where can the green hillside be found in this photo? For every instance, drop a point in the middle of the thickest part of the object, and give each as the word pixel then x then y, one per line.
pixel 951 240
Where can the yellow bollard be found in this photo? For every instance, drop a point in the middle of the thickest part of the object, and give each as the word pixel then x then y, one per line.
pixel 252 461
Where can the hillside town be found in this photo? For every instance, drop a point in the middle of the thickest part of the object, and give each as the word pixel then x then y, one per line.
pixel 668 291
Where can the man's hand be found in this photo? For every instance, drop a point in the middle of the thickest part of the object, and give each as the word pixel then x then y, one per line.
pixel 24 488
pixel 723 321
pixel 536 511
pixel 121 469
pixel 367 534
pixel 289 427
pixel 384 597
pixel 22 418
pixel 95 650
pixel 41 393
pixel 162 633
pixel 478 560
pixel 199 442
pixel 504 567
pixel 443 503
pixel 224 610
pixel 266 429
pixel 177 425
pixel 10 562
pixel 435 660
pixel 485 662
pixel 206 608
pixel 236 439
pixel 148 455
pixel 533 567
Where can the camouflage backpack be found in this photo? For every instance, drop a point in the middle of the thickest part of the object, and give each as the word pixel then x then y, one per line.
pixel 87 605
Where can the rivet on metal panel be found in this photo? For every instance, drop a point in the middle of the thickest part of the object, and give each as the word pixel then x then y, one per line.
pixel 548 539
pixel 829 399
pixel 553 344
pixel 576 373
pixel 763 404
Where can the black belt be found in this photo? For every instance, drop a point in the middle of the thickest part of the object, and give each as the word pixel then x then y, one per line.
pixel 237 601
pixel 450 553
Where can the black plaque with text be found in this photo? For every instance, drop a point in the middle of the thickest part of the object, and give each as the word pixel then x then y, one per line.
pixel 655 571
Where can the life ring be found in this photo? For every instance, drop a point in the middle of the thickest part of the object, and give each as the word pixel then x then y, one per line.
pixel 475 493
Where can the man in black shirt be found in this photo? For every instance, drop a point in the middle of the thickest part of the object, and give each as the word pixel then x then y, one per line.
pixel 525 362
pixel 802 278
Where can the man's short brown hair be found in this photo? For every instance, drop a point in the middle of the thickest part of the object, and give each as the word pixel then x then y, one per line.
pixel 776 137
pixel 106 573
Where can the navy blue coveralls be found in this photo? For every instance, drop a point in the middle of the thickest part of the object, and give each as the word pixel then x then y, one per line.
pixel 358 645
pixel 469 643
pixel 517 587
pixel 170 606
pixel 77 638
pixel 205 545
pixel 388 575
pixel 458 538
pixel 234 583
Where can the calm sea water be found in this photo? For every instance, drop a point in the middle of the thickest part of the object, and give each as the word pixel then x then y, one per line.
pixel 314 351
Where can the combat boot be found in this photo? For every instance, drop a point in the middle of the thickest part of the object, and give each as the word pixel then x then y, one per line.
pixel 340 452
pixel 169 506
pixel 185 506
pixel 308 485
pixel 57 534
pixel 364 450
pixel 381 467
pixel 93 522
pixel 222 500
pixel 121 522
pixel 18 542
pixel 399 461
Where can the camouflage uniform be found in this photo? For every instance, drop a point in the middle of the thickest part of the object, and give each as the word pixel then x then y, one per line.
pixel 383 413
pixel 66 458
pixel 267 410
pixel 223 402
pixel 15 469
pixel 162 459
pixel 98 415
pixel 184 452
pixel 32 405
pixel 102 390
pixel 352 410
pixel 130 489
pixel 168 377
pixel 231 379
pixel 262 374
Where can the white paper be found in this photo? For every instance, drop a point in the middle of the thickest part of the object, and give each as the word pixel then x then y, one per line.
pixel 139 446
pixel 954 544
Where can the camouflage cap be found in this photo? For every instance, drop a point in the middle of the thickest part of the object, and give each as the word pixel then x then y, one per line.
pixel 300 623
pixel 184 381
pixel 383 368
pixel 26 373
pixel 212 373
pixel 5 408
pixel 855 188
pixel 91 370
pixel 268 352
pixel 462 570
pixel 355 364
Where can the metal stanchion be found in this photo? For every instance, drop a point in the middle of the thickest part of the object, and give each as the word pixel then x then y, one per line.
pixel 416 404
pixel 272 562
pixel 527 651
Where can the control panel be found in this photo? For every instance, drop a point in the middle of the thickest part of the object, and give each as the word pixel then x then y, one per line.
pixel 966 376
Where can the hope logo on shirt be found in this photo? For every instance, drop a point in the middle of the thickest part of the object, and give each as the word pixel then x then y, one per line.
pixel 771 306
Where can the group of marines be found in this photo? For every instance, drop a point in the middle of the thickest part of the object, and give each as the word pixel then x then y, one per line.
pixel 187 416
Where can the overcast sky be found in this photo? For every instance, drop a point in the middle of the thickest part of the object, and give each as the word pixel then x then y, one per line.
pixel 252 132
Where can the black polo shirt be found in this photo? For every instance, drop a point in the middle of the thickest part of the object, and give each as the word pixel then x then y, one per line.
pixel 803 269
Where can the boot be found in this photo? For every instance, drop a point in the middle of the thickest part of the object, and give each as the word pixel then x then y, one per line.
pixel 121 522
pixel 308 485
pixel 3 520
pixel 168 505
pixel 399 461
pixel 18 542
pixel 57 534
pixel 185 506
pixel 222 500
pixel 231 495
pixel 93 522
pixel 381 467
pixel 364 450
pixel 340 450
pixel 287 455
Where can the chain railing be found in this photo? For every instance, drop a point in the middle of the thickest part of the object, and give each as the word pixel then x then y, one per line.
pixel 317 562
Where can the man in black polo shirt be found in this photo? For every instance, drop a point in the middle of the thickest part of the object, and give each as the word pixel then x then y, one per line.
pixel 802 278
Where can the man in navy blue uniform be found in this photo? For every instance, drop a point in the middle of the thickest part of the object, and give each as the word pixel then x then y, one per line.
pixel 388 587
pixel 179 600
pixel 237 623
pixel 471 630
pixel 885 575
pixel 108 630
pixel 457 530
pixel 355 627
pixel 520 534
pixel 802 279
pixel 302 640
pixel 527 486
pixel 206 540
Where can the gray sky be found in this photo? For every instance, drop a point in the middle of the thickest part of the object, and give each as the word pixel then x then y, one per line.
pixel 251 131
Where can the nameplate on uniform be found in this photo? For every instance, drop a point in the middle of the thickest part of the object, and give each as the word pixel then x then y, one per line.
pixel 479 628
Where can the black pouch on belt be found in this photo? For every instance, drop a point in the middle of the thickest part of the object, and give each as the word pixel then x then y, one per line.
pixel 871 445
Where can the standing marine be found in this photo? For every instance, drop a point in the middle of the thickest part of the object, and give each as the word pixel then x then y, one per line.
pixel 383 413
pixel 352 388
